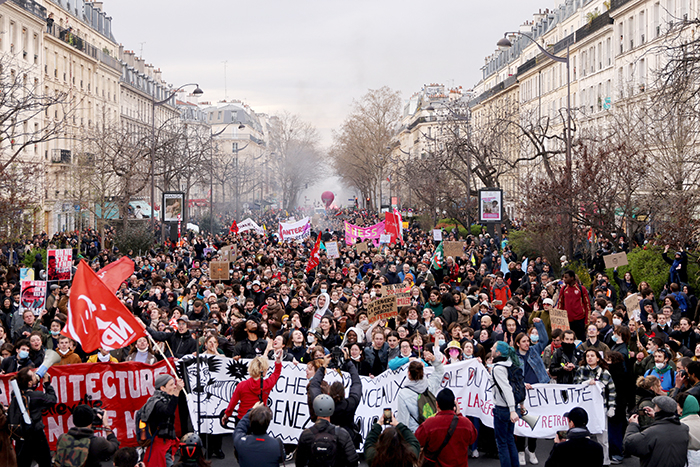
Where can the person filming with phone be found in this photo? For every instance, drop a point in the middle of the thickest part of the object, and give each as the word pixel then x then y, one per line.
pixel 395 446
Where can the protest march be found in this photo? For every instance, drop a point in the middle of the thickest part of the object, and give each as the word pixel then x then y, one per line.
pixel 293 323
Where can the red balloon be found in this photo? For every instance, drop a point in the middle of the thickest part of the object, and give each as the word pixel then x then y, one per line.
pixel 327 197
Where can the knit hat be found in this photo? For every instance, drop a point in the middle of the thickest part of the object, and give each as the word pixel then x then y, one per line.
pixel 162 380
pixel 690 406
pixel 82 416
pixel 578 416
pixel 665 404
pixel 445 399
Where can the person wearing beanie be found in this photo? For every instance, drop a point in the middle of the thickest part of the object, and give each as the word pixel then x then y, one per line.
pixel 159 413
pixel 690 417
pixel 577 449
pixel 81 443
pixel 434 430
pixel 664 443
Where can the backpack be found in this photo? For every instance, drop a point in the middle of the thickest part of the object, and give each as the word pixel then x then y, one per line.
pixel 427 406
pixel 682 302
pixel 144 431
pixel 71 452
pixel 516 378
pixel 19 429
pixel 324 447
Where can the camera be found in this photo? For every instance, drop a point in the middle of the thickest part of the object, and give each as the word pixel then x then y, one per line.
pixel 97 416
pixel 337 358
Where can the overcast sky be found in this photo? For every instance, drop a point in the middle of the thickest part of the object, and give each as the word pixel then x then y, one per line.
pixel 313 57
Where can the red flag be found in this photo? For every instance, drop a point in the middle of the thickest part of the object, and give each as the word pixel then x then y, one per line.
pixel 392 227
pixel 234 228
pixel 96 317
pixel 115 273
pixel 315 258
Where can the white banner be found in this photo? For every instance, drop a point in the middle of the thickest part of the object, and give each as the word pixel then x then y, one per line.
pixel 250 224
pixel 298 230
pixel 332 250
pixel 469 380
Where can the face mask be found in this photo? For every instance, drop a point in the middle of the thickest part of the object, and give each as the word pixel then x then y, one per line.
pixel 441 342
pixel 248 287
pixel 55 333
pixel 568 347
pixel 617 321
pixel 534 338
pixel 310 339
pixel 373 294
pixel 489 365
pixel 323 290
pixel 62 352
pixel 412 322
pixel 23 354
pixel 609 308
pixel 660 366
pixel 103 358
pixel 357 359
pixel 431 330
pixel 364 321
pixel 249 270
pixel 615 338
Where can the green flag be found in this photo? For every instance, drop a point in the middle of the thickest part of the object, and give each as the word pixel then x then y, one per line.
pixel 438 259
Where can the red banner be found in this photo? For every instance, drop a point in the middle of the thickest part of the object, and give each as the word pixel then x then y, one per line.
pixel 119 388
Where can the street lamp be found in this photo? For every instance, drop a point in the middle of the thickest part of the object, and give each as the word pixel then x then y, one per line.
pixel 505 44
pixel 211 179
pixel 154 104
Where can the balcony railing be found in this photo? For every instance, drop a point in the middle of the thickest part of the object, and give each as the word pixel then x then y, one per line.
pixel 67 36
pixel 32 7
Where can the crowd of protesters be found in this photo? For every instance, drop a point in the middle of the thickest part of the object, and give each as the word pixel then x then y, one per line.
pixel 469 308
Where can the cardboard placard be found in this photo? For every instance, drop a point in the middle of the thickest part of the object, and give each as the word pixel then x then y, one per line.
pixel 437 235
pixel 227 253
pixel 361 248
pixel 218 270
pixel 454 249
pixel 332 250
pixel 402 294
pixel 615 260
pixel 559 319
pixel 382 308
pixel 632 305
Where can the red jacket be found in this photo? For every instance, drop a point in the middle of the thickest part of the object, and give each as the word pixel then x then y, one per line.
pixel 431 433
pixel 248 392
pixel 501 293
pixel 574 299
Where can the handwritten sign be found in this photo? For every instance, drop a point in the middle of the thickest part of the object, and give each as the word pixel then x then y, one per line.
pixel 615 260
pixel 361 248
pixel 559 319
pixel 218 270
pixel 403 294
pixel 382 308
pixel 437 235
pixel 453 249
pixel 332 250
pixel 632 305
pixel 385 238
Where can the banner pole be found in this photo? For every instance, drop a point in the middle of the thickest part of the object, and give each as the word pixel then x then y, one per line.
pixel 155 346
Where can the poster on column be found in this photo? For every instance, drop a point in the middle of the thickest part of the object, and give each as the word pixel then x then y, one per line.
pixel 469 380
pixel 32 296
pixel 60 265
pixel 120 389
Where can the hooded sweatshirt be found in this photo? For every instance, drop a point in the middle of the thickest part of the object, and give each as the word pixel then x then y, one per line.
pixel 408 394
pixel 692 419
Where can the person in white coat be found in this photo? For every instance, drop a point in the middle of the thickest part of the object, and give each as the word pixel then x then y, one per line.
pixel 688 407
pixel 416 384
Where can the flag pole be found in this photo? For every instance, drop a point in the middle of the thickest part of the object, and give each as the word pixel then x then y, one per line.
pixel 155 346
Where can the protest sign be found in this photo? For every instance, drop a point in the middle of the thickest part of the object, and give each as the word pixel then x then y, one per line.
pixel 403 294
pixel 120 389
pixel 468 380
pixel 615 260
pixel 454 249
pixel 228 253
pixel 219 270
pixel 26 274
pixel 353 232
pixel 332 250
pixel 250 224
pixel 295 231
pixel 632 305
pixel 32 296
pixel 385 238
pixel 361 247
pixel 382 308
pixel 437 235
pixel 60 265
pixel 559 319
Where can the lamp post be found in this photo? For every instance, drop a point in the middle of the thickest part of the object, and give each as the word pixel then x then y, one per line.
pixel 211 179
pixel 505 44
pixel 154 104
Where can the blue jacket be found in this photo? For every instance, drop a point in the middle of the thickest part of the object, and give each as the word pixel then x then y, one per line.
pixel 256 450
pixel 533 357
pixel 383 355
pixel 399 361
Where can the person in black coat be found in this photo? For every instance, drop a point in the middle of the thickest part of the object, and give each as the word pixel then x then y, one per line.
pixel 35 446
pixel 181 341
pixel 578 449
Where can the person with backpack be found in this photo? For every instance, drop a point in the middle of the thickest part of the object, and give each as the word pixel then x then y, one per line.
pixel 260 449
pixel 324 444
pixel 416 399
pixel 79 447
pixel 508 385
pixel 30 439
pixel 446 437
pixel 158 415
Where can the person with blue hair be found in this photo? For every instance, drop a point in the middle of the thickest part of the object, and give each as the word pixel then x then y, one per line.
pixel 505 414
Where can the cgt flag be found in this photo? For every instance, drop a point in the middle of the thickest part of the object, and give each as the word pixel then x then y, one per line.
pixel 438 260
pixel 115 273
pixel 315 258
pixel 96 317
pixel 234 228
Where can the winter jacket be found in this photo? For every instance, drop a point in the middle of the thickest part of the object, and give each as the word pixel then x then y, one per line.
pixel 559 359
pixel 373 436
pixel 501 293
pixel 256 450
pixel 666 375
pixel 180 344
pixel 161 417
pixel 664 443
pixel 532 357
pixel 586 373
pixel 577 451
pixel 346 455
pixel 501 388
pixel 432 432
pixel 344 414
pixel 100 450
pixel 69 358
pixel 383 355
pixel 408 394
pixel 248 392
